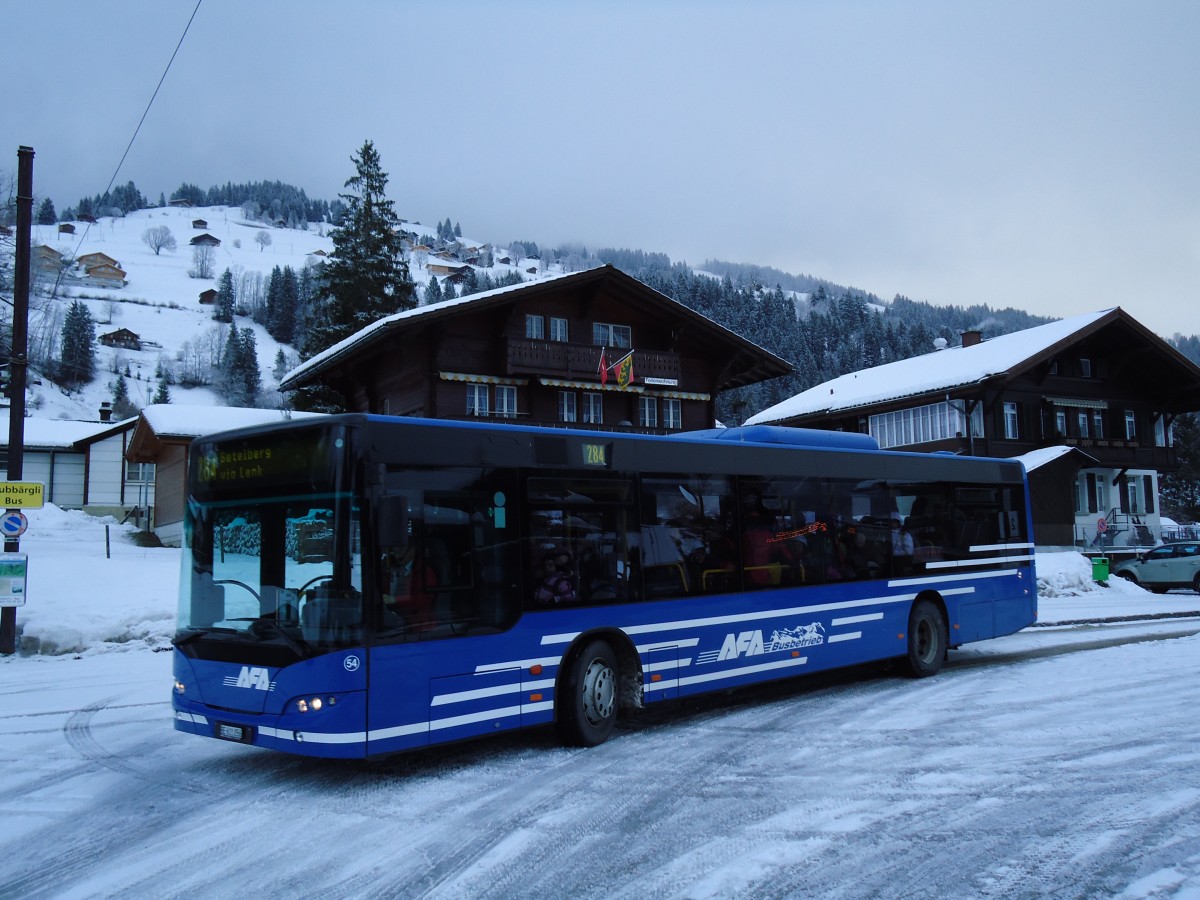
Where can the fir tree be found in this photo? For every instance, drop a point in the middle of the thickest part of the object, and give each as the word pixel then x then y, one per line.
pixel 283 296
pixel 240 381
pixel 1180 488
pixel 162 395
pixel 366 278
pixel 433 291
pixel 123 406
pixel 46 214
pixel 78 362
pixel 226 297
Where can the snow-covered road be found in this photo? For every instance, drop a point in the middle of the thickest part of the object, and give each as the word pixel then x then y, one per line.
pixel 1040 764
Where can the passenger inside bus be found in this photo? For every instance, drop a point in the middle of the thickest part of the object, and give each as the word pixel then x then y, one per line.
pixel 410 587
pixel 557 585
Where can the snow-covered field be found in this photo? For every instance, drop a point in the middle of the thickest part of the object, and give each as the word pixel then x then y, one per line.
pixel 1060 761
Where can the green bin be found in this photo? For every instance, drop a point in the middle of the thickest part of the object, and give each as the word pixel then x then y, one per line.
pixel 1100 569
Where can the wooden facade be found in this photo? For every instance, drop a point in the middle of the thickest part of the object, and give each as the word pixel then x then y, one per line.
pixel 532 353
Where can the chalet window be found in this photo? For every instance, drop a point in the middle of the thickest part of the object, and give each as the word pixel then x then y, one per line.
pixel 606 335
pixel 558 329
pixel 477 400
pixel 535 327
pixel 566 407
pixel 136 472
pixel 934 422
pixel 1098 424
pixel 1097 495
pixel 1130 425
pixel 1085 367
pixel 593 408
pixel 1081 417
pixel 1060 422
pixel 1054 367
pixel 1133 504
pixel 673 413
pixel 648 412
pixel 1012 429
pixel 1160 432
pixel 506 401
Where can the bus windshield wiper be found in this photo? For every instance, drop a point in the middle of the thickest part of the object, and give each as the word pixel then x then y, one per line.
pixel 300 647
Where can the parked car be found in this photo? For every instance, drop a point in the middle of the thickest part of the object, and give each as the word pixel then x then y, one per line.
pixel 1174 565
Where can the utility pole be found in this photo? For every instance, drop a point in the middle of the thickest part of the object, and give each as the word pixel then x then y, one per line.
pixel 18 363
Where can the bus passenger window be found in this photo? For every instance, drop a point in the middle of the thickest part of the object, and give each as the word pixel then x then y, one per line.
pixel 578 551
pixel 685 544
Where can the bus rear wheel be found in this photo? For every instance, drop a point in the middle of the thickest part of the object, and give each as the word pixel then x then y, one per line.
pixel 587 705
pixel 927 639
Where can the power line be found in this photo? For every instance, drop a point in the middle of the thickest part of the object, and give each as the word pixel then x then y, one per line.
pixel 145 113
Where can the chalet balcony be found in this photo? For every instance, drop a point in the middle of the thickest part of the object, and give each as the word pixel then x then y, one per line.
pixel 1120 454
pixel 559 359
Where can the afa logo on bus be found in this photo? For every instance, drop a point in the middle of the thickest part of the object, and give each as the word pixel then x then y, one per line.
pixel 751 643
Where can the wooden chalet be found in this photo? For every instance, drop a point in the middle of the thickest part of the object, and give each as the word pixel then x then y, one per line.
pixel 66 228
pixel 96 259
pixel 46 259
pixel 122 338
pixel 205 239
pixel 1101 383
pixel 446 267
pixel 209 296
pixel 595 349
pixel 199 223
pixel 104 275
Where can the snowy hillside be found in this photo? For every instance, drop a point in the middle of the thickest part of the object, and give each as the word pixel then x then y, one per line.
pixel 160 301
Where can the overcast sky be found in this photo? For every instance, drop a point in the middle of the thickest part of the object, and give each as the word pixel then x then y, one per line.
pixel 1043 155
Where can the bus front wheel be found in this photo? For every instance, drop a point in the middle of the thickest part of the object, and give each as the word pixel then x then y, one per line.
pixel 587 706
pixel 927 639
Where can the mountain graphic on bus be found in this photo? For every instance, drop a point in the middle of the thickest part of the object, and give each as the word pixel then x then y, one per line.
pixel 801 636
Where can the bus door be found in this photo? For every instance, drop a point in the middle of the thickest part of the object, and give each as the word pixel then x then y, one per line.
pixel 446 588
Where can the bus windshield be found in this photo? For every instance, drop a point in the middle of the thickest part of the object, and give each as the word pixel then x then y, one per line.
pixel 286 572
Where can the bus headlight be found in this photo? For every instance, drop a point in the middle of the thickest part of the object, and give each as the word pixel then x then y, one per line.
pixel 179 688
pixel 314 704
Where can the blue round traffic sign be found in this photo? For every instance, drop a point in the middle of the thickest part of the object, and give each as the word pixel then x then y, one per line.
pixel 13 523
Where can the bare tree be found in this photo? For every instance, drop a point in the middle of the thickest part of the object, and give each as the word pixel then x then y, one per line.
pixel 203 257
pixel 263 239
pixel 158 238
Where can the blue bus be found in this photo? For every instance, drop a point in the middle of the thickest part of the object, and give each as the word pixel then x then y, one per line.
pixel 360 585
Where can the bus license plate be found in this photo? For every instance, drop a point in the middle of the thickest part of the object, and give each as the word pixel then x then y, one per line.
pixel 238 733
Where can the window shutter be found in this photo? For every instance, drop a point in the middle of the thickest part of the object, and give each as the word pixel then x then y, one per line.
pixel 1149 492
pixel 1091 493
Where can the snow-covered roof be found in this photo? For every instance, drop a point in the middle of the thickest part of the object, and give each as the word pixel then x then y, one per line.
pixel 59 433
pixel 1035 459
pixel 169 419
pixel 942 370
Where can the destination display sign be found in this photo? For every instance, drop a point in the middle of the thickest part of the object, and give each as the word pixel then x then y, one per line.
pixel 302 460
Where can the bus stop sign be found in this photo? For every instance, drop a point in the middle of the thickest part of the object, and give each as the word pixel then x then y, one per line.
pixel 13 523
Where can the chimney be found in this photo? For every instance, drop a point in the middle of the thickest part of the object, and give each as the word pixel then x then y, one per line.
pixel 972 337
pixel 105 411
